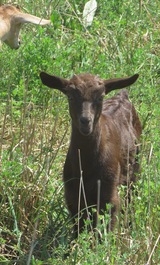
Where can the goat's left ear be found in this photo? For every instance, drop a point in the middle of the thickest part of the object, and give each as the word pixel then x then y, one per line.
pixel 27 18
pixel 117 83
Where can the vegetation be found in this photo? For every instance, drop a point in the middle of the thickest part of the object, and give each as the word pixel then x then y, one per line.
pixel 35 130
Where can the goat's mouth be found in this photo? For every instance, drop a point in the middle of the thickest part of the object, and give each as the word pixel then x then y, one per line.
pixel 87 130
pixel 12 46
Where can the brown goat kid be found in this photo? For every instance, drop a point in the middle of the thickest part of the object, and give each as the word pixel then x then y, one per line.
pixel 106 132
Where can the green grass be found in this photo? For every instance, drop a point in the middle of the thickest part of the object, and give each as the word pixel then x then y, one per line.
pixel 35 131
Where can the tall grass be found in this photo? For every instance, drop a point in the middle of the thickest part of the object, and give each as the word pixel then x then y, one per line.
pixel 35 131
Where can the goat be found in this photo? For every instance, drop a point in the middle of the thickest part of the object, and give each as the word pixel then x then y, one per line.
pixel 11 21
pixel 106 131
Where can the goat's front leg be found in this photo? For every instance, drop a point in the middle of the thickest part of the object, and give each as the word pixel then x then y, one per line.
pixel 111 197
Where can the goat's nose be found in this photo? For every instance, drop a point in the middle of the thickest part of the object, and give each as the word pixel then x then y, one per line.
pixel 85 120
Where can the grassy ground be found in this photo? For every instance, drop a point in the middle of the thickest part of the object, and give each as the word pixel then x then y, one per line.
pixel 35 132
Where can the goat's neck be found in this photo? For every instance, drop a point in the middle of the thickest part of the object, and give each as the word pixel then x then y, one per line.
pixel 4 29
pixel 90 148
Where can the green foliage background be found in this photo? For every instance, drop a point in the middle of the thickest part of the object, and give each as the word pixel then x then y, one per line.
pixel 35 131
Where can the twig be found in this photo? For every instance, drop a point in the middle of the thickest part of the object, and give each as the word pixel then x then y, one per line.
pixel 98 197
pixel 33 244
pixel 153 250
pixel 81 186
pixel 150 154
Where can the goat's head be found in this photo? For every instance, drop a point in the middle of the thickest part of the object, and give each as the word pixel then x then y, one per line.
pixel 11 20
pixel 85 94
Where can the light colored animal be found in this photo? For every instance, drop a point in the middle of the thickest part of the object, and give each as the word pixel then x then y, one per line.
pixel 11 21
pixel 106 131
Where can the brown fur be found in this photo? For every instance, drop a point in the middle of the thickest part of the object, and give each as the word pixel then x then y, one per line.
pixel 106 132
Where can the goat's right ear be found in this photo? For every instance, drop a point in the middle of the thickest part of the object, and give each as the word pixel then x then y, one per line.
pixel 54 82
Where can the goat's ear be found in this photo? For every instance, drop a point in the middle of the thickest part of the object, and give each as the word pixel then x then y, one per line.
pixel 27 18
pixel 54 82
pixel 117 83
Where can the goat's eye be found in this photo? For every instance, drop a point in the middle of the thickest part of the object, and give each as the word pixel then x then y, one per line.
pixel 99 99
pixel 70 98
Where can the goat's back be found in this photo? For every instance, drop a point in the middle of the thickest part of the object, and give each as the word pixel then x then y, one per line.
pixel 120 111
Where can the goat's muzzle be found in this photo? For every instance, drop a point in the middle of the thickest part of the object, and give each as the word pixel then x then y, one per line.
pixel 85 125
